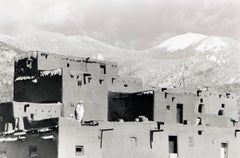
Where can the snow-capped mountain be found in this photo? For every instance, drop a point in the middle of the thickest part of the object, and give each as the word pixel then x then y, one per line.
pixel 201 60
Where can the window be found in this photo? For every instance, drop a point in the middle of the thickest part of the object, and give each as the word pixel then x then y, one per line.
pixel 25 107
pixel 223 105
pixel 103 69
pixel 173 147
pixel 89 79
pixel 220 113
pixel 113 79
pixel 199 132
pixel 68 65
pixel 180 113
pixel 165 95
pixel 199 92
pixel 228 95
pixel 201 100
pixel 200 108
pixel 33 151
pixel 85 77
pixel 101 81
pixel 168 107
pixel 133 141
pixel 173 98
pixel 79 150
pixel 79 83
pixel 125 85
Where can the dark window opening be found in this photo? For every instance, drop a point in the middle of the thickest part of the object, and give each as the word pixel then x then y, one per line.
pixel 68 65
pixel 165 95
pixel 32 116
pixel 89 79
pixel 25 107
pixel 173 146
pixel 101 81
pixel 220 113
pixel 33 151
pixel 79 150
pixel 199 121
pixel 103 69
pixel 113 79
pixel 163 89
pixel 199 132
pixel 180 113
pixel 168 107
pixel 173 98
pixel 201 100
pixel 85 77
pixel 79 83
pixel 228 95
pixel 185 122
pixel 220 95
pixel 223 105
pixel 199 92
pixel 125 85
pixel 200 108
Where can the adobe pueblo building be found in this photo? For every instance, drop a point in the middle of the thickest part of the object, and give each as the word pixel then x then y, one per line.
pixel 121 119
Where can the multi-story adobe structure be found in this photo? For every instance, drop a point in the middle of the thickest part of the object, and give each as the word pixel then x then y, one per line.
pixel 121 119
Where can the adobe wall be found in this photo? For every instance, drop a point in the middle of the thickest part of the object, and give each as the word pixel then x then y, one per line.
pixel 166 101
pixel 22 149
pixel 134 139
pixel 92 93
pixel 36 110
pixel 165 107
pixel 125 84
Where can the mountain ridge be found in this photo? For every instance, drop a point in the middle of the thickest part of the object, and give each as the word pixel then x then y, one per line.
pixel 201 60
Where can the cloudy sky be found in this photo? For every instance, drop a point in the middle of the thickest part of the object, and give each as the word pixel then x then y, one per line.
pixel 134 24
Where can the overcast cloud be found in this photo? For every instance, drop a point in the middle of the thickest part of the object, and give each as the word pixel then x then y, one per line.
pixel 135 24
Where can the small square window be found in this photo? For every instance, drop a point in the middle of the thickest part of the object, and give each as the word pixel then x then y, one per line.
pixel 79 150
pixel 168 107
pixel 223 105
pixel 101 81
pixel 199 132
pixel 79 83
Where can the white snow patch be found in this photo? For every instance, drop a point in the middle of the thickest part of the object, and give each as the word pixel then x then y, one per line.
pixel 182 41
pixel 214 44
pixel 22 78
pixel 51 72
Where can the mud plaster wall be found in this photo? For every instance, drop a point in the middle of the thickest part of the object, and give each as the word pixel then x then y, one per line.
pixel 137 140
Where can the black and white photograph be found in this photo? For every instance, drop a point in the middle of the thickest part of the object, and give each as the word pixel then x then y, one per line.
pixel 119 78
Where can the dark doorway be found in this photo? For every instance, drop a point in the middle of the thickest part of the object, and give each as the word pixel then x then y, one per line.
pixel 180 113
pixel 173 147
pixel 224 150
